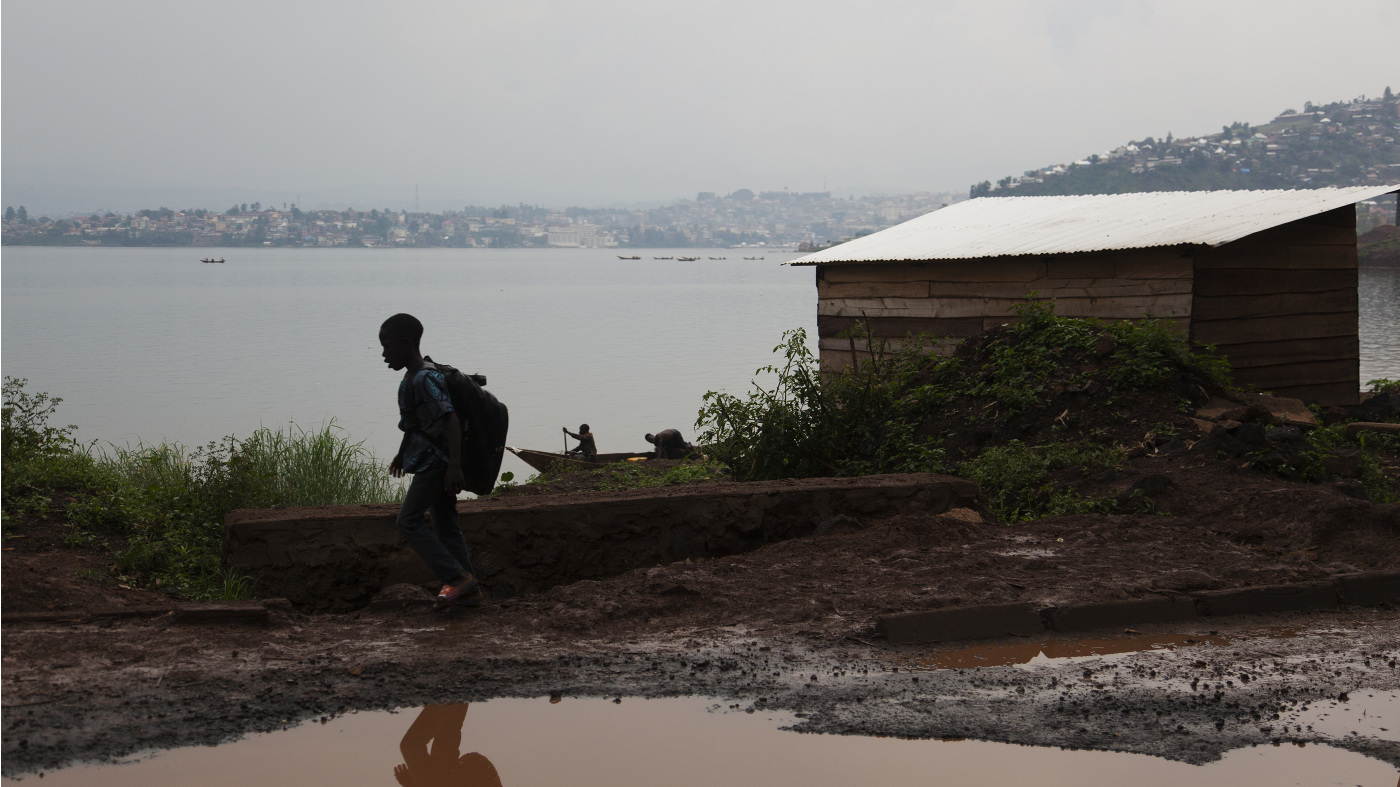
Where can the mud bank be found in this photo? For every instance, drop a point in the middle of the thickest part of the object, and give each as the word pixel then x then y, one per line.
pixel 1247 683
pixel 338 557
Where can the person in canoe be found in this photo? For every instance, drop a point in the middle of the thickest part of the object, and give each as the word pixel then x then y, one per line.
pixel 586 449
pixel 669 444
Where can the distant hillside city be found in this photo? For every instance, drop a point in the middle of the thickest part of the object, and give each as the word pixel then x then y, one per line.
pixel 1346 143
pixel 741 219
pixel 1338 144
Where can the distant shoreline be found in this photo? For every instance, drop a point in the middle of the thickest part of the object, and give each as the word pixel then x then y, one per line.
pixel 751 250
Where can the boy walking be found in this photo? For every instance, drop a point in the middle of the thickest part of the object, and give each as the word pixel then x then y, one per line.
pixel 432 452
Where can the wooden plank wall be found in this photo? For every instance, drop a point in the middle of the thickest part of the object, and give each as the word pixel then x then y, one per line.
pixel 1282 306
pixel 961 298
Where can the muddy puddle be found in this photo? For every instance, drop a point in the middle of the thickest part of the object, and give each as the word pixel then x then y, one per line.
pixel 687 741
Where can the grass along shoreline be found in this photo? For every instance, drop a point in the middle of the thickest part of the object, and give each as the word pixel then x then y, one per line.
pixel 158 510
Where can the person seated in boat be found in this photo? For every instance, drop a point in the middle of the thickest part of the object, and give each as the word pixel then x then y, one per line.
pixel 669 444
pixel 586 448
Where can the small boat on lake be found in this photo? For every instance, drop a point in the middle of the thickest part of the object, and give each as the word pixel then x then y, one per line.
pixel 753 258
pixel 211 259
pixel 545 460
pixel 687 259
pixel 620 257
pixel 663 258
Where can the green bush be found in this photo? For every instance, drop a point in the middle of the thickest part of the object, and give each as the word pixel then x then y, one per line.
pixel 163 506
pixel 171 502
pixel 875 418
pixel 815 423
pixel 317 468
pixel 1384 385
pixel 1017 481
pixel 1327 441
pixel 1018 365
pixel 41 461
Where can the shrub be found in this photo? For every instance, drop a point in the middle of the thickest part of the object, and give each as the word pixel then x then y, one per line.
pixel 317 468
pixel 1017 365
pixel 40 461
pixel 163 506
pixel 815 423
pixel 1384 385
pixel 881 416
pixel 1017 482
pixel 171 502
pixel 1324 442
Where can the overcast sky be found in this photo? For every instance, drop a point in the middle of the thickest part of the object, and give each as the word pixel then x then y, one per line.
pixel 623 101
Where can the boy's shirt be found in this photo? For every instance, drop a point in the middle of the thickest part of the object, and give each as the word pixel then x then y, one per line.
pixel 423 415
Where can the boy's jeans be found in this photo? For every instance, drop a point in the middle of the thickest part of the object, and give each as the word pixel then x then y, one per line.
pixel 445 551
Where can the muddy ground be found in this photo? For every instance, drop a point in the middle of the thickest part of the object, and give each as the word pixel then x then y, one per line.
pixel 790 626
pixel 1194 506
pixel 1252 684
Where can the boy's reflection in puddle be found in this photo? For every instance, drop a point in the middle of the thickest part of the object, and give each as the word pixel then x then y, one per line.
pixel 430 749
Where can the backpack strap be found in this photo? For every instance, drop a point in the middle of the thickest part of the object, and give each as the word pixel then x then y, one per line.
pixel 428 366
pixel 463 416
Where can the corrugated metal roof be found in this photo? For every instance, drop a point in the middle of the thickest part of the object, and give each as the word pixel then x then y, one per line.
pixel 1009 226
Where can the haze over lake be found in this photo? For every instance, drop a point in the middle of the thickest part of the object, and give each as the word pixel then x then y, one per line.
pixel 148 344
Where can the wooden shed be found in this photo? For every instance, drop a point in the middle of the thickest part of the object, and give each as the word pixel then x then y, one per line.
pixel 1267 276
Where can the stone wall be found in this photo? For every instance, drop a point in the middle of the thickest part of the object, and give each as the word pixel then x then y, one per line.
pixel 338 557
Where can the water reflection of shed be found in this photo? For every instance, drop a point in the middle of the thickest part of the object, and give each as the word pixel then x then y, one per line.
pixel 1268 276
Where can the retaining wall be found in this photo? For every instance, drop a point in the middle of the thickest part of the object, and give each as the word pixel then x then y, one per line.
pixel 338 557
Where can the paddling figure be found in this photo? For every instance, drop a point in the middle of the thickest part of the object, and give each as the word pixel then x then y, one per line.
pixel 586 448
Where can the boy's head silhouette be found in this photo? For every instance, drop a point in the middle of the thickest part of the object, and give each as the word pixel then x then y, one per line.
pixel 399 336
pixel 583 429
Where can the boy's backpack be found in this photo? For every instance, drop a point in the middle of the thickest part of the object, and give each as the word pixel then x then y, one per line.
pixel 484 424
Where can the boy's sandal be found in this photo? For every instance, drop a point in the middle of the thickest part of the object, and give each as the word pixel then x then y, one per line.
pixel 473 598
pixel 451 594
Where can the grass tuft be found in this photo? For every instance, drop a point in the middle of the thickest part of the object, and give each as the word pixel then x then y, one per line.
pixel 160 509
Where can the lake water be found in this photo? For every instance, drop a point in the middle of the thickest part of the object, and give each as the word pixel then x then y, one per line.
pixel 679 742
pixel 148 344
pixel 1380 323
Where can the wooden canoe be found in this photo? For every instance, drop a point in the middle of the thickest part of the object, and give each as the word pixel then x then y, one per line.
pixel 545 460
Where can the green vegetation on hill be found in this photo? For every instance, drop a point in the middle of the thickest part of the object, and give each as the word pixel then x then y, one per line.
pixel 1344 143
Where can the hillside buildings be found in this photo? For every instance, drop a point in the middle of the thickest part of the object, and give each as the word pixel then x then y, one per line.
pixel 739 219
